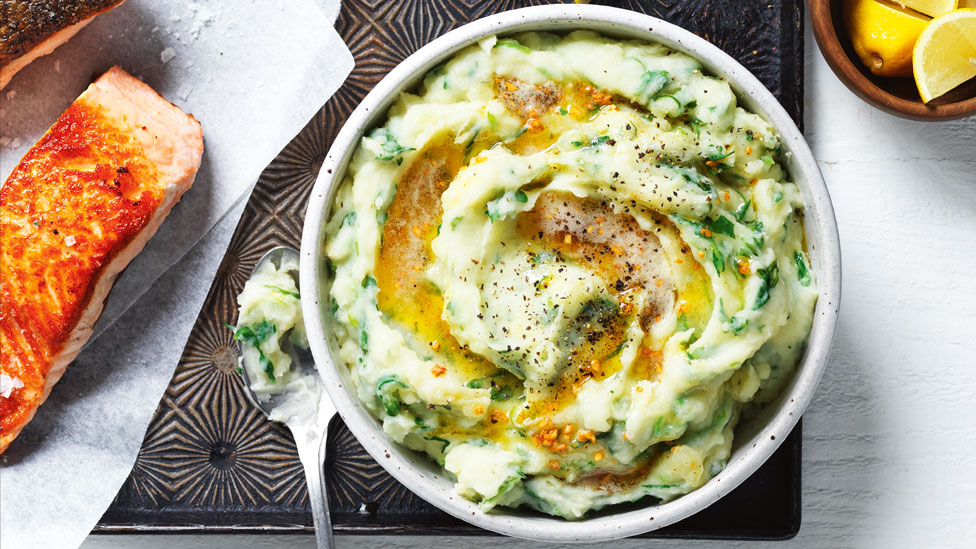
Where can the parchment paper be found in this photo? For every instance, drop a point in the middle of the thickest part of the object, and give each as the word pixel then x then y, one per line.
pixel 253 73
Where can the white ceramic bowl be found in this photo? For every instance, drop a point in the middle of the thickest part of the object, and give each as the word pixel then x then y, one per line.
pixel 755 440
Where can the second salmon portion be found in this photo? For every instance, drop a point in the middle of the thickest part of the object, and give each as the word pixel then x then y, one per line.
pixel 79 206
pixel 33 28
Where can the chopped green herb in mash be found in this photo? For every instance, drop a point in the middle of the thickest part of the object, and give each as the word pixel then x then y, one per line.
pixel 270 311
pixel 272 334
pixel 568 273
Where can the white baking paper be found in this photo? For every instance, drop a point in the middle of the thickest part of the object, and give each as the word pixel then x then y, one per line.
pixel 253 73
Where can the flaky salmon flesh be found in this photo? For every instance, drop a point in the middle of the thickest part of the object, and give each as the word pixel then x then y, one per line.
pixel 79 206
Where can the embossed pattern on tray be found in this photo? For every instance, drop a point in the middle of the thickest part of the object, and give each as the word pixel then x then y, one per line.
pixel 211 462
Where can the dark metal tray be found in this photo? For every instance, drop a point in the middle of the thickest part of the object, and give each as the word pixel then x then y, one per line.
pixel 211 462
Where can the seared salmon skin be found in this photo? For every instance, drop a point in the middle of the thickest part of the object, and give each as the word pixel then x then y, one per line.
pixel 77 208
pixel 32 28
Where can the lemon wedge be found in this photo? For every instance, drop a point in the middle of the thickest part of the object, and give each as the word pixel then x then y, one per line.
pixel 945 53
pixel 883 35
pixel 930 7
pixel 967 3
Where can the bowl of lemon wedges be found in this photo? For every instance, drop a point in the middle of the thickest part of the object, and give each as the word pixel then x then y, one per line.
pixel 911 58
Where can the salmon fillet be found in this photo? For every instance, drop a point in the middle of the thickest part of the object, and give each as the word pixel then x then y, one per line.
pixel 79 206
pixel 32 28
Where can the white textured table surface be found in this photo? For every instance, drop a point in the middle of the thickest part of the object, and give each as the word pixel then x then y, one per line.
pixel 889 447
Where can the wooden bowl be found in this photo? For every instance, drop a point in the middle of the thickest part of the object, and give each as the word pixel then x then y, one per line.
pixel 897 96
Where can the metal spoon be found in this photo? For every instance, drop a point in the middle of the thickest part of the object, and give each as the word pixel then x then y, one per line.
pixel 310 436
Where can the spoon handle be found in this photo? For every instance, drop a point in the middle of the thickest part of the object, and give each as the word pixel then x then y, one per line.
pixel 311 452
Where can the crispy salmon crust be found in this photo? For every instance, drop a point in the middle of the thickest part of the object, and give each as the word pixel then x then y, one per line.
pixel 79 206
pixel 33 28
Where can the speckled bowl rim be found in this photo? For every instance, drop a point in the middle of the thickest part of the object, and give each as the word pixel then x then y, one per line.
pixel 759 437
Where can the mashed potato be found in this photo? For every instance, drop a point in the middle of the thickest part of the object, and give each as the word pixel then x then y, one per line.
pixel 565 268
